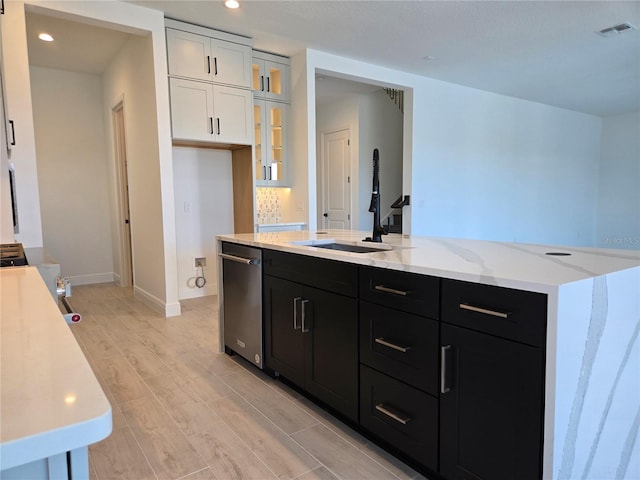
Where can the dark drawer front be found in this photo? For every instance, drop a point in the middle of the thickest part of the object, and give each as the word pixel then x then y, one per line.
pixel 402 416
pixel 504 312
pixel 400 344
pixel 410 292
pixel 337 277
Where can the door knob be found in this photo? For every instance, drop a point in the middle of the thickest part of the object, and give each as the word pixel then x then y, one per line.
pixel 325 214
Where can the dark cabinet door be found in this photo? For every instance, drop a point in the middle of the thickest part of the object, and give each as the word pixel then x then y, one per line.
pixel 491 416
pixel 331 350
pixel 284 343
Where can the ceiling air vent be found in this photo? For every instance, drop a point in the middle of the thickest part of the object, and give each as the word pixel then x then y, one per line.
pixel 617 29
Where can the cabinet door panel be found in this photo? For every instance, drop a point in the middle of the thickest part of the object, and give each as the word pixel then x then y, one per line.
pixel 233 118
pixel 400 344
pixel 187 54
pixel 491 419
pixel 401 415
pixel 231 63
pixel 331 350
pixel 284 348
pixel 191 109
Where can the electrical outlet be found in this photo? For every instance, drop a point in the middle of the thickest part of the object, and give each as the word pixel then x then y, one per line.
pixel 200 262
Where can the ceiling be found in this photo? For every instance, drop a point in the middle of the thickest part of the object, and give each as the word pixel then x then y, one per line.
pixel 543 51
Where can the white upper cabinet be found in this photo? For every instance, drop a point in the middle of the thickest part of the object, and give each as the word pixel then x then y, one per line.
pixel 209 85
pixel 270 76
pixel 203 112
pixel 200 57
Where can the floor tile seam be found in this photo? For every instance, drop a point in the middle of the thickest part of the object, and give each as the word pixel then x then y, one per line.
pixel 393 475
pixel 192 473
pixel 135 439
pixel 275 477
pixel 176 425
pixel 240 439
pixel 320 463
pixel 279 393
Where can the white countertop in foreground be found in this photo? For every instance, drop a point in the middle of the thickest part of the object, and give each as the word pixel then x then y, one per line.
pixel 50 401
pixel 513 265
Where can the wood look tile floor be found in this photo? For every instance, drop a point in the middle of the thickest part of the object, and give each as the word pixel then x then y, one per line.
pixel 182 410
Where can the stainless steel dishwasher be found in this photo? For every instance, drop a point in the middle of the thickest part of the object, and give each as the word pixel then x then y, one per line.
pixel 242 297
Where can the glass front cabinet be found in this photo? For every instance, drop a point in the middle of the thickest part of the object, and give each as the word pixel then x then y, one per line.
pixel 270 150
pixel 270 83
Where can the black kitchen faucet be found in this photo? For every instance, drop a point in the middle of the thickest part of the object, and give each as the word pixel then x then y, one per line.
pixel 374 207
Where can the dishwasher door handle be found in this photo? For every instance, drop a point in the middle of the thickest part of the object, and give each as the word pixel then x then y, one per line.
pixel 235 258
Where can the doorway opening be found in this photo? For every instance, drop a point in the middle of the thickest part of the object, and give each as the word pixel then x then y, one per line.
pixel 126 269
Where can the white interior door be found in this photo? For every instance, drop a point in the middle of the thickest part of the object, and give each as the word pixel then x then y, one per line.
pixel 336 171
pixel 126 269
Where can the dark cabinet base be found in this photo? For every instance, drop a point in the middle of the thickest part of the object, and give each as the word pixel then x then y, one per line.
pixel 401 415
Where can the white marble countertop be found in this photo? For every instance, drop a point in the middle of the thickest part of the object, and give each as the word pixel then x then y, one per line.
pixel 50 400
pixel 511 265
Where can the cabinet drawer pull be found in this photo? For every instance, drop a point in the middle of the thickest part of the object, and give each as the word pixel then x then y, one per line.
pixel 13 132
pixel 393 413
pixel 400 348
pixel 466 306
pixel 305 326
pixel 444 385
pixel 295 313
pixel 382 288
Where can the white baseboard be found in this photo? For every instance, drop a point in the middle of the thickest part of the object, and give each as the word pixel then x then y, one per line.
pixel 90 279
pixel 166 309
pixel 116 278
pixel 194 292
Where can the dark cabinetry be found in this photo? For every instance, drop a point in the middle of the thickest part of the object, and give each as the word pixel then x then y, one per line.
pixel 492 382
pixel 399 338
pixel 311 327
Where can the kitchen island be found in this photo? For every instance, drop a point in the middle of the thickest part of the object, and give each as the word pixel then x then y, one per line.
pixel 51 406
pixel 587 304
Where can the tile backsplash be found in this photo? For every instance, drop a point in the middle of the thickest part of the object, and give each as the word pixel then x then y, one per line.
pixel 268 205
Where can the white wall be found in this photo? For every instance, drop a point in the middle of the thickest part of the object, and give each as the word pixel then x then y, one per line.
pixel 479 165
pixel 619 187
pixel 72 173
pixel 128 77
pixel 499 168
pixel 204 208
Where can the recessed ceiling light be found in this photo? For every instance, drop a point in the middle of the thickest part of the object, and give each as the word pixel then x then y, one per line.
pixel 45 37
pixel 231 3
pixel 617 29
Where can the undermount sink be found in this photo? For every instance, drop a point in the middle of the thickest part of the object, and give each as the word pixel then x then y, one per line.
pixel 331 244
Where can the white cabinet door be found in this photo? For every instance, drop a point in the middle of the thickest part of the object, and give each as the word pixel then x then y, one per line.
pixel 231 63
pixel 191 110
pixel 232 109
pixel 270 80
pixel 189 55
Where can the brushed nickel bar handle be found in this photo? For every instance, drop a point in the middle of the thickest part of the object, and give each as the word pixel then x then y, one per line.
pixel 400 348
pixel 495 313
pixel 443 369
pixel 304 317
pixel 295 313
pixel 235 258
pixel 382 288
pixel 392 413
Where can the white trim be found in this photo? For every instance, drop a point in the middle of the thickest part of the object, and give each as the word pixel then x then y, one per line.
pixel 107 277
pixel 156 304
